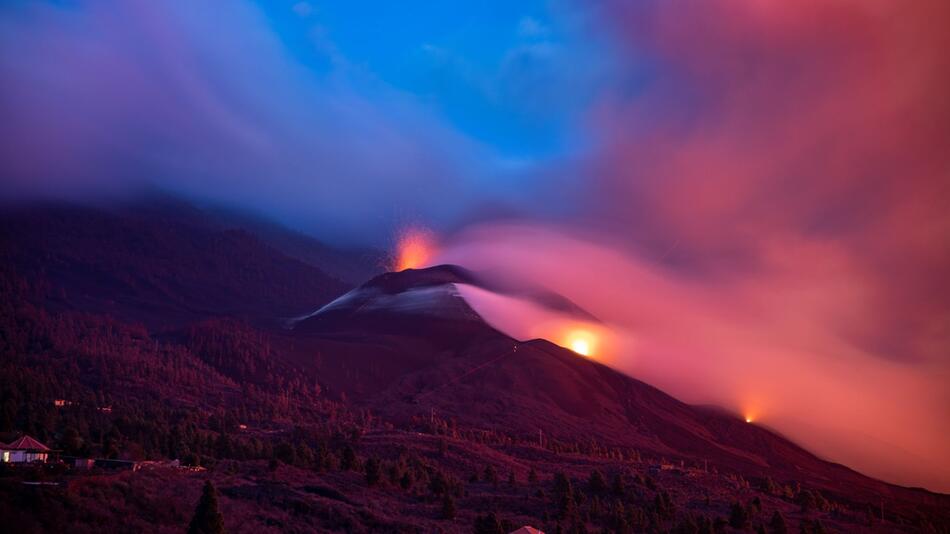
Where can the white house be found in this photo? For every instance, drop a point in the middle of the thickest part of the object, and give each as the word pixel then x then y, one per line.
pixel 23 450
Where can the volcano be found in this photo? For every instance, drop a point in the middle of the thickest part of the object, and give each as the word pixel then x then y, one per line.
pixel 407 345
pixel 171 334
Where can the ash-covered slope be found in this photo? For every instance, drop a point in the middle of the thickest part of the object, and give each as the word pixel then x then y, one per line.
pixel 406 344
pixel 392 301
pixel 388 301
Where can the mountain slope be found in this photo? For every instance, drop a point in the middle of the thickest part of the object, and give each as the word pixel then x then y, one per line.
pixel 441 358
pixel 159 265
pixel 165 329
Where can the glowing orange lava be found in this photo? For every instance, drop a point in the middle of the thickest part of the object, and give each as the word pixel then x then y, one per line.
pixel 414 249
pixel 752 408
pixel 583 342
pixel 581 346
pixel 750 414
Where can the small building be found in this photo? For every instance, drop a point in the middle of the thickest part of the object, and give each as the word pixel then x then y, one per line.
pixel 24 450
pixel 155 464
pixel 78 463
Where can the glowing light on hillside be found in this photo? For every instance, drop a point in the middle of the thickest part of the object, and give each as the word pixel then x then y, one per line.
pixel 752 408
pixel 581 346
pixel 414 249
pixel 750 414
pixel 583 342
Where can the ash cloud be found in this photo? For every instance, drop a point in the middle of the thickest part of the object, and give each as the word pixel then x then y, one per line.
pixel 765 224
pixel 767 345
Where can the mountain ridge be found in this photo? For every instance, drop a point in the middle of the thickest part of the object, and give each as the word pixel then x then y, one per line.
pixel 446 407
pixel 706 433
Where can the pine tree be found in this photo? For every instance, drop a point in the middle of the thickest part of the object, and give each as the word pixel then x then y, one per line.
pixel 207 518
pixel 738 516
pixel 438 483
pixel 372 471
pixel 777 523
pixel 617 487
pixel 490 474
pixel 619 519
pixel 563 495
pixel 596 482
pixel 687 525
pixel 348 461
pixel 757 503
pixel 448 506
pixel 663 504
pixel 406 481
pixel 533 476
pixel 705 525
pixel 488 524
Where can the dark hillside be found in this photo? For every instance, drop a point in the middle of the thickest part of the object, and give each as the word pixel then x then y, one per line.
pixel 164 270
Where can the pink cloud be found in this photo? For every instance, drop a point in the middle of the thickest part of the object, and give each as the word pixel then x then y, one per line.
pixel 767 222
pixel 773 346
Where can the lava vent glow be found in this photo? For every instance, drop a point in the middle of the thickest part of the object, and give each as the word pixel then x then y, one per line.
pixel 583 342
pixel 414 249
pixel 581 346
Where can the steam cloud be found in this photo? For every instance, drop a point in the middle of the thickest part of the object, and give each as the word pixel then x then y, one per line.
pixel 766 345
pixel 766 228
